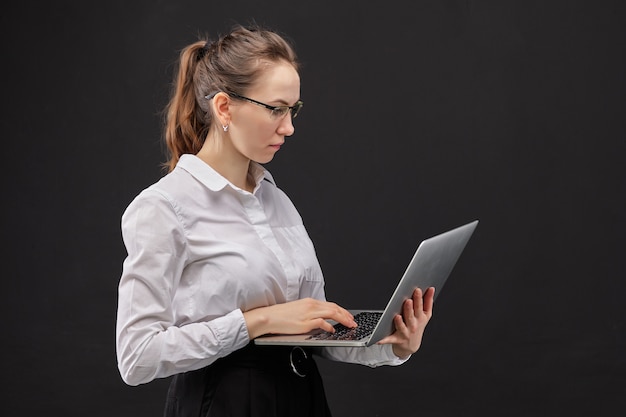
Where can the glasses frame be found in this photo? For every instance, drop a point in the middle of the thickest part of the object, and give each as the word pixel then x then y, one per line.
pixel 294 110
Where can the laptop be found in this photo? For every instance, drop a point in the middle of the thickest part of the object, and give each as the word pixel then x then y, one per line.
pixel 430 266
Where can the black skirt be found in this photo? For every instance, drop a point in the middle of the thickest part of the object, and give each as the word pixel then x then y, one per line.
pixel 256 381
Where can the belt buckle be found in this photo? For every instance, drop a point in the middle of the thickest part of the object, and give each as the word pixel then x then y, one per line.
pixel 299 361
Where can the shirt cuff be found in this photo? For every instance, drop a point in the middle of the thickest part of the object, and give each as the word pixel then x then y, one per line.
pixel 387 350
pixel 231 331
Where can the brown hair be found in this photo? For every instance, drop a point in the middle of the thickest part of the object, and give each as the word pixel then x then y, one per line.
pixel 229 64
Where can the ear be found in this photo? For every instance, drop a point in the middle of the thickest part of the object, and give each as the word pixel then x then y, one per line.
pixel 221 108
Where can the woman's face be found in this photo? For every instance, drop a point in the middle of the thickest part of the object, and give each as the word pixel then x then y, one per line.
pixel 254 131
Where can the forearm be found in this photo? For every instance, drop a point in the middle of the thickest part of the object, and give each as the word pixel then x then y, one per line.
pixel 150 353
pixel 372 356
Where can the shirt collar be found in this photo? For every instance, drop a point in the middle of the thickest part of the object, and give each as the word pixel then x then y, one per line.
pixel 212 179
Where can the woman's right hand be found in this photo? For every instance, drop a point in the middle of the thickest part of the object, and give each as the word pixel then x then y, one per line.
pixel 296 317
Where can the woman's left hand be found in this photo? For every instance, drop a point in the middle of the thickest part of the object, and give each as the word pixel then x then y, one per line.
pixel 410 326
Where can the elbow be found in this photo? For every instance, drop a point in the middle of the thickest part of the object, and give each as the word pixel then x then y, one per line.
pixel 133 367
pixel 129 380
pixel 134 376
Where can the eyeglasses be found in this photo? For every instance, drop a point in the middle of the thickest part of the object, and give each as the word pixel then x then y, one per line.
pixel 277 112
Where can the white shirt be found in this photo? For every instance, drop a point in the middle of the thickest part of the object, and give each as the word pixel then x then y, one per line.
pixel 201 251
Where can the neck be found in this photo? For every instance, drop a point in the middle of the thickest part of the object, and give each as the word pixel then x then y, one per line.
pixel 231 165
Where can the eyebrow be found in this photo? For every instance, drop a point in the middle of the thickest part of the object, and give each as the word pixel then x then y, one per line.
pixel 284 103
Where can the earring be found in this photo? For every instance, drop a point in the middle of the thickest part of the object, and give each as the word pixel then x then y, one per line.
pixel 225 127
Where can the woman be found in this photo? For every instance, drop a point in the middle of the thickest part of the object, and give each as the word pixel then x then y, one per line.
pixel 218 255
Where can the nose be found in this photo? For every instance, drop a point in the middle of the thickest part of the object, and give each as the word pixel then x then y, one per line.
pixel 286 128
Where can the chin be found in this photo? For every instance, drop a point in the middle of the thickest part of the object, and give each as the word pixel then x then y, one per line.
pixel 264 160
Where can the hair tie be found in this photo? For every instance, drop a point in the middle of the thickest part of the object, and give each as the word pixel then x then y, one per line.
pixel 204 50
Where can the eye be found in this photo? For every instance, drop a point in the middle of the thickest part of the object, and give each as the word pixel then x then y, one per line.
pixel 280 111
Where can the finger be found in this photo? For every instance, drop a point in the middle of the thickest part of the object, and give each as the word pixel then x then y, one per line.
pixel 324 325
pixel 400 324
pixel 409 308
pixel 399 336
pixel 391 339
pixel 429 300
pixel 417 301
pixel 339 314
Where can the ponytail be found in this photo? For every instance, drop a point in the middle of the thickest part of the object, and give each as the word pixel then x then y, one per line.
pixel 185 129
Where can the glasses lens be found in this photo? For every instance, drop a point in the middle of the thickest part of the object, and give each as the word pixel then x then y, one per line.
pixel 280 111
pixel 296 109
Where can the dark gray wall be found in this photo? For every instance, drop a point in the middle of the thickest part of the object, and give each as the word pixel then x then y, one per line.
pixel 419 116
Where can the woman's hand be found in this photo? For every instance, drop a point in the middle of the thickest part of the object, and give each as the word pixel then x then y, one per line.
pixel 410 326
pixel 296 317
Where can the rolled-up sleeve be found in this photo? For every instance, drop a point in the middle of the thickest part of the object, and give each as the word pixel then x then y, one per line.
pixel 372 356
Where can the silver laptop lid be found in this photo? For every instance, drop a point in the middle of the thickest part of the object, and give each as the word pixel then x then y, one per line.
pixel 430 266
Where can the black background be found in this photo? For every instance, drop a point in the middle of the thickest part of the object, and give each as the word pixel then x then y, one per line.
pixel 419 116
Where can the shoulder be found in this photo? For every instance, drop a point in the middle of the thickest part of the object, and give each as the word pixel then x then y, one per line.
pixel 159 197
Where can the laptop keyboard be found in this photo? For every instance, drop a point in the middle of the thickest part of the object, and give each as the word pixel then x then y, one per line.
pixel 366 322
